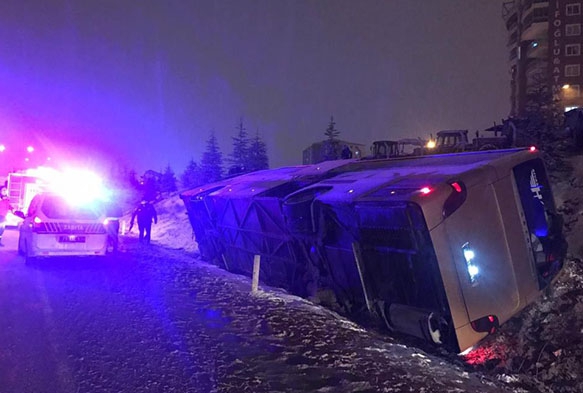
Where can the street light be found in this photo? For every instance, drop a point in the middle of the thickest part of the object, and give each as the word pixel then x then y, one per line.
pixel 2 148
pixel 30 149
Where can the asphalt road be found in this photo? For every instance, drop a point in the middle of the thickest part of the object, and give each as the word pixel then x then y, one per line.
pixel 157 320
pixel 86 325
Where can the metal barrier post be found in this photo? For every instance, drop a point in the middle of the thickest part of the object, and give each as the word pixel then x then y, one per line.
pixel 255 282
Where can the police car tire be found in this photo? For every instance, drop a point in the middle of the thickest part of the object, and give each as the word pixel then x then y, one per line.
pixel 28 260
pixel 20 250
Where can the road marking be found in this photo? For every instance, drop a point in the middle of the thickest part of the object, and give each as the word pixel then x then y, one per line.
pixel 64 373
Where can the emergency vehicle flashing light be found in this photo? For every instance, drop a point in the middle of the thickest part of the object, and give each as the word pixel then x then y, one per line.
pixel 78 187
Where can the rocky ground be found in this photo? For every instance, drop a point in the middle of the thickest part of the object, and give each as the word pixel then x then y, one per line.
pixel 545 341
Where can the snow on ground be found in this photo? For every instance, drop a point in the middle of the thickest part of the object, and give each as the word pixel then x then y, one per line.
pixel 274 342
pixel 539 350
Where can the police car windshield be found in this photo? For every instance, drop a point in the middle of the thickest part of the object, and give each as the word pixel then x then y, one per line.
pixel 57 208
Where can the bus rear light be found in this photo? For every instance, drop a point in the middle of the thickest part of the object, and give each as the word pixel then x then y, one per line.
pixel 456 198
pixel 456 186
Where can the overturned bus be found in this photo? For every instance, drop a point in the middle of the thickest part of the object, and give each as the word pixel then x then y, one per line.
pixel 445 248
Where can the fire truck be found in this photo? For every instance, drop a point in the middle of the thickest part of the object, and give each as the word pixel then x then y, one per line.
pixel 22 187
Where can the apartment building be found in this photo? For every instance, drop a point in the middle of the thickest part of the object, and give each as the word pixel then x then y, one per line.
pixel 544 43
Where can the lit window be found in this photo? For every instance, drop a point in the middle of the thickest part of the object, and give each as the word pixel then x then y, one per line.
pixel 573 29
pixel 572 91
pixel 572 70
pixel 573 9
pixel 573 49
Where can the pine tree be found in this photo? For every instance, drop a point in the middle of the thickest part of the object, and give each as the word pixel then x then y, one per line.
pixel 258 154
pixel 168 180
pixel 239 158
pixel 132 177
pixel 191 176
pixel 331 144
pixel 212 161
pixel 331 132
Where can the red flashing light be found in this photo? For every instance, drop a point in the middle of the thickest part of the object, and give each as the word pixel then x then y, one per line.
pixel 532 149
pixel 456 187
pixel 491 318
pixel 425 190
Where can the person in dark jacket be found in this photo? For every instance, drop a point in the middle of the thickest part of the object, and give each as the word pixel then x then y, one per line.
pixel 146 214
pixel 346 153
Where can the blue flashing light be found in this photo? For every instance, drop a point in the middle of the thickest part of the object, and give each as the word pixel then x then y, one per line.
pixel 469 254
pixel 472 268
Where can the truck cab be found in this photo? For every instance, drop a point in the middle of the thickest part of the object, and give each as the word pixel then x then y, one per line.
pixel 384 149
pixel 450 141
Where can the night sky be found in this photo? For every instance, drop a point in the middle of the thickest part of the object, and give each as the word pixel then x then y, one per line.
pixel 143 83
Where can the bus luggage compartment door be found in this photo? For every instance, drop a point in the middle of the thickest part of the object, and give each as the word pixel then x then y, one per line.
pixel 478 244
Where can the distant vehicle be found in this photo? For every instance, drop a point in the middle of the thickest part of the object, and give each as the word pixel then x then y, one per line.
pixel 400 148
pixel 22 187
pixel 411 146
pixel 384 149
pixel 457 141
pixel 53 226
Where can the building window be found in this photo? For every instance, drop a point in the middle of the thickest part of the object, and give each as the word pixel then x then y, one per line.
pixel 573 9
pixel 573 49
pixel 573 29
pixel 572 70
pixel 572 91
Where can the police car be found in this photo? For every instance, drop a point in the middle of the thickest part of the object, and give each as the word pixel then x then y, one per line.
pixel 54 226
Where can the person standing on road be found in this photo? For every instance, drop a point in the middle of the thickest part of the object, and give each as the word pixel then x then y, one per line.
pixel 146 214
pixel 5 208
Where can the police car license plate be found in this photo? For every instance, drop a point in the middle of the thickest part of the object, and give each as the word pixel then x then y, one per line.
pixel 72 239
